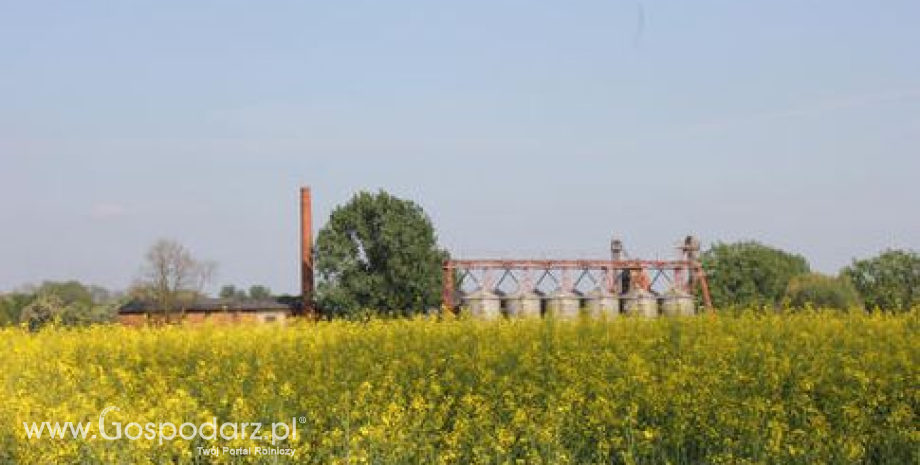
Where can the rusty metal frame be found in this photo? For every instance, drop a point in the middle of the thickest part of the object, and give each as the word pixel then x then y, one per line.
pixel 609 268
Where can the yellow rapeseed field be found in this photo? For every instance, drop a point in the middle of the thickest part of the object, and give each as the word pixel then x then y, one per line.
pixel 805 388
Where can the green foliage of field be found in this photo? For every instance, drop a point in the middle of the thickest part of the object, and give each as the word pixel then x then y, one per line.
pixel 802 388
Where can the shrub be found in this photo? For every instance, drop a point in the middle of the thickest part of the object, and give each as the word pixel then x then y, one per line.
pixel 822 291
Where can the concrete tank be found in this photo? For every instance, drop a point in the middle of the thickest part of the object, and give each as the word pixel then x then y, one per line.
pixel 601 303
pixel 483 303
pixel 524 304
pixel 563 304
pixel 639 302
pixel 676 302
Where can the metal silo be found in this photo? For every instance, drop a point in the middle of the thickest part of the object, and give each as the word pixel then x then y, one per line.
pixel 483 303
pixel 601 303
pixel 563 304
pixel 639 302
pixel 524 304
pixel 676 302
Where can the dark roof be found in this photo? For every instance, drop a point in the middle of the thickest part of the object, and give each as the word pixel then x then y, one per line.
pixel 209 305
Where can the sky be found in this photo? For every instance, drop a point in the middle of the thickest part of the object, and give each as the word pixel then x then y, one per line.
pixel 525 129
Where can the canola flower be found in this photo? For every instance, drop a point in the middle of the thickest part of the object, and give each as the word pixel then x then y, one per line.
pixel 802 388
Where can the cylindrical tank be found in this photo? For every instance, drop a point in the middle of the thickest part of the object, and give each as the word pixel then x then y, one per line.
pixel 639 302
pixel 524 304
pixel 676 302
pixel 483 303
pixel 563 304
pixel 457 300
pixel 601 303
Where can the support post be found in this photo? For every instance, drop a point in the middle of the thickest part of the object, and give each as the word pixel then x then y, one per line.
pixel 704 285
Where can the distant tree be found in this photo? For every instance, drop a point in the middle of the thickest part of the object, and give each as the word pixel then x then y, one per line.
pixel 890 281
pixel 750 273
pixel 44 310
pixel 80 315
pixel 8 315
pixel 378 252
pixel 232 292
pixel 101 295
pixel 228 291
pixel 821 291
pixel 172 278
pixel 67 302
pixel 259 292
pixel 12 306
pixel 70 292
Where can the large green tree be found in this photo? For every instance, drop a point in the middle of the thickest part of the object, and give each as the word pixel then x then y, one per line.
pixel 750 273
pixel 890 281
pixel 378 253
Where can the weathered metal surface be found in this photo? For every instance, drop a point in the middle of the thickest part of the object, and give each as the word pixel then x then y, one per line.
pixel 483 304
pixel 563 304
pixel 601 303
pixel 618 274
pixel 676 303
pixel 524 304
pixel 639 302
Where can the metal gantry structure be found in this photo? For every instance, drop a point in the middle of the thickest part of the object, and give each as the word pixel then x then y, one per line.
pixel 617 275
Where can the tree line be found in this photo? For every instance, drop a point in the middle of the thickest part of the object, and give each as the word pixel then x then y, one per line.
pixel 379 255
pixel 170 281
pixel 750 274
pixel 70 303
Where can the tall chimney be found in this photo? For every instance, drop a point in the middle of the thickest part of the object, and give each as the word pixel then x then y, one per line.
pixel 306 251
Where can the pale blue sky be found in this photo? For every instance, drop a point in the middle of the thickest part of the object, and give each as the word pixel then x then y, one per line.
pixel 524 128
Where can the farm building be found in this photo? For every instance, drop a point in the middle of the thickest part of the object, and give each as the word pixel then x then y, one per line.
pixel 219 311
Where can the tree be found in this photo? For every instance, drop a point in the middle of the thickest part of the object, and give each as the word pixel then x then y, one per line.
pixel 227 291
pixel 12 306
pixel 378 253
pixel 101 295
pixel 79 315
pixel 172 278
pixel 822 291
pixel 70 292
pixel 69 303
pixel 890 281
pixel 230 291
pixel 45 309
pixel 259 292
pixel 750 273
pixel 79 304
pixel 6 312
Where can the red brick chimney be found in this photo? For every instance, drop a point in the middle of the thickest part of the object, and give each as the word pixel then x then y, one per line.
pixel 306 252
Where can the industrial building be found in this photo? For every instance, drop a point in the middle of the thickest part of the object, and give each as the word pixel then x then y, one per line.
pixel 514 288
pixel 221 311
pixel 216 311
